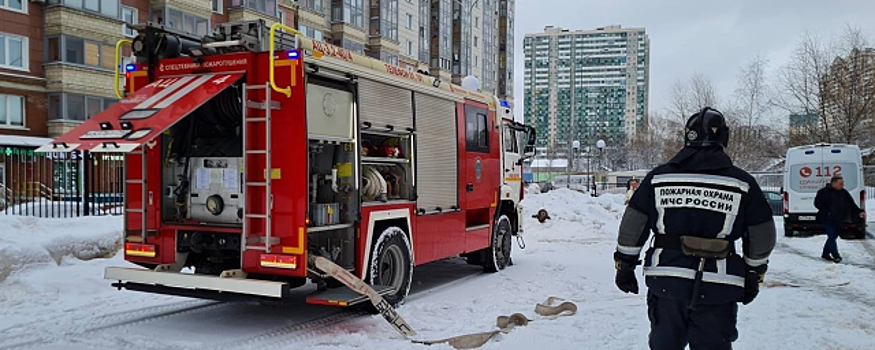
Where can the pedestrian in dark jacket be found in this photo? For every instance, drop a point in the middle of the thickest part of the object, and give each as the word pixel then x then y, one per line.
pixel 697 206
pixel 835 206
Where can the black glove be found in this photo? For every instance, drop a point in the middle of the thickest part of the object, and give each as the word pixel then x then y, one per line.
pixel 625 265
pixel 752 280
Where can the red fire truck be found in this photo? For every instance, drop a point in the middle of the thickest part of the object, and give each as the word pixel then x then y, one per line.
pixel 251 149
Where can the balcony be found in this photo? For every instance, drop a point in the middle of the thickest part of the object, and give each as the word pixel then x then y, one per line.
pixel 198 8
pixel 379 44
pixel 246 14
pixel 66 20
pixel 343 30
pixel 79 79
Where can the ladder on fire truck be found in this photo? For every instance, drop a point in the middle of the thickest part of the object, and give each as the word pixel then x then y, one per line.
pixel 144 194
pixel 263 123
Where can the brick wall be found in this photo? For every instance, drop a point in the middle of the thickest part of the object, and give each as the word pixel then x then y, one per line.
pixel 35 111
pixel 28 25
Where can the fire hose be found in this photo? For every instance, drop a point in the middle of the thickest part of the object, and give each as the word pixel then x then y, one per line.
pixel 375 187
pixel 547 310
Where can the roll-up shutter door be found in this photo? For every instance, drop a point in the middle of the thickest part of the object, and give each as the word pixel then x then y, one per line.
pixel 382 105
pixel 436 154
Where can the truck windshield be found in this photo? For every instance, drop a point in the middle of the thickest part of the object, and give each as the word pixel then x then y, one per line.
pixel 812 177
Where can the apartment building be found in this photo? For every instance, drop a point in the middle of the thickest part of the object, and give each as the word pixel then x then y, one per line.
pixel 57 56
pixel 587 85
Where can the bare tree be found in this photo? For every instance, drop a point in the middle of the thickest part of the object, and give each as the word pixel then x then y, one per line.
pixel 801 82
pixel 753 100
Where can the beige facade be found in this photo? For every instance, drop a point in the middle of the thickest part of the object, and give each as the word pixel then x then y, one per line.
pixel 83 24
pixel 408 30
pixel 62 77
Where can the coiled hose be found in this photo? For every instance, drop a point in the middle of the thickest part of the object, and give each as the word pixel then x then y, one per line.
pixel 375 187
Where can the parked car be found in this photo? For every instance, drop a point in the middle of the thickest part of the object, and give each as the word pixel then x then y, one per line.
pixel 776 202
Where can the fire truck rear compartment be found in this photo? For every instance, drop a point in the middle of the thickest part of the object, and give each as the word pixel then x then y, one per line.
pixel 209 253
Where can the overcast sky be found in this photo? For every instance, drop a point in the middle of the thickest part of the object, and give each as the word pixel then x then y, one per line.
pixel 715 38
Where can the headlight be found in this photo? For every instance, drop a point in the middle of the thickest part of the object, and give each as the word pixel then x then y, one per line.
pixel 215 204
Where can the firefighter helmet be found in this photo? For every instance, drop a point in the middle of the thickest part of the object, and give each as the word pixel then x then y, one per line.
pixel 707 128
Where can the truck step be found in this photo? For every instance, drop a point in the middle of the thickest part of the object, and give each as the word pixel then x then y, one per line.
pixel 343 296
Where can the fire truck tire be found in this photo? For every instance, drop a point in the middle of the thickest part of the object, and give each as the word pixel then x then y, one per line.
pixel 497 256
pixel 392 263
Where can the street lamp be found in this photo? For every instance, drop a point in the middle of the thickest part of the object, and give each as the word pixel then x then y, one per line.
pixel 569 168
pixel 576 147
pixel 601 146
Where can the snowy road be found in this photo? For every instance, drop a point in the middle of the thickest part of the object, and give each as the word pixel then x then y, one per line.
pixel 805 304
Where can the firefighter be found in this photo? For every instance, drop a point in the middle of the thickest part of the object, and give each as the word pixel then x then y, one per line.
pixel 698 205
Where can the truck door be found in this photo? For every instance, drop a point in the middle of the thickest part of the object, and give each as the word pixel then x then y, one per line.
pixel 480 163
pixel 512 169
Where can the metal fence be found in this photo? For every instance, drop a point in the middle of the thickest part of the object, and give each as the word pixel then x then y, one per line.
pixel 57 185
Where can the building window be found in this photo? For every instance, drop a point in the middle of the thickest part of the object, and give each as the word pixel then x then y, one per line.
pixel 217 5
pixel 476 22
pixel 353 46
pixel 75 107
pixel 409 21
pixel 350 11
pixel 106 7
pixel 476 130
pixel 311 32
pixel 389 19
pixel 409 48
pixel 282 17
pixel 389 58
pixel 183 21
pixel 14 5
pixel 476 41
pixel 267 7
pixel 314 5
pixel 13 51
pixel 11 111
pixel 75 50
pixel 129 15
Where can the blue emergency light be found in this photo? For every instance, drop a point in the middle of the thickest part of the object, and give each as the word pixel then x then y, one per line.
pixel 130 67
pixel 505 104
pixel 293 54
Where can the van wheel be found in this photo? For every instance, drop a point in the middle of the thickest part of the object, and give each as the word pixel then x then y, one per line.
pixel 392 264
pixel 788 232
pixel 860 234
pixel 497 256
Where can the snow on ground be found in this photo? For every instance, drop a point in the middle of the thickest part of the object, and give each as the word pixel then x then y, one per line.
pixel 26 241
pixel 806 303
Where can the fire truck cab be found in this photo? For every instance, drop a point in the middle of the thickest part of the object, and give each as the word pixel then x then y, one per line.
pixel 250 150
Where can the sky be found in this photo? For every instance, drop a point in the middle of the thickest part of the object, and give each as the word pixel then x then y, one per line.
pixel 715 38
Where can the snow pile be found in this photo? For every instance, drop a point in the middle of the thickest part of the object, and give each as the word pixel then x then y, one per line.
pixel 26 241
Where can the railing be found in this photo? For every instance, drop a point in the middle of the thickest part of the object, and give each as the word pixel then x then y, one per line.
pixel 60 184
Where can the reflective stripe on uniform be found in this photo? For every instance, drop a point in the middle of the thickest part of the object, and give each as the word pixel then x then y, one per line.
pixel 680 272
pixel 702 179
pixel 629 250
pixel 755 262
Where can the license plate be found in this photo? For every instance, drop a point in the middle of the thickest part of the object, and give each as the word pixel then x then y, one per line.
pixel 105 134
pixel 807 218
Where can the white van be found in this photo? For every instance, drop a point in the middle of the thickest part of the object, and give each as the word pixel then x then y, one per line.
pixel 807 169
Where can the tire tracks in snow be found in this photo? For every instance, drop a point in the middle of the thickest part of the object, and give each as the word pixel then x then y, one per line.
pixel 838 290
pixel 108 321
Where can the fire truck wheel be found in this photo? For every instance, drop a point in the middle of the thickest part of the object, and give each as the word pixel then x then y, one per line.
pixel 392 264
pixel 497 256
